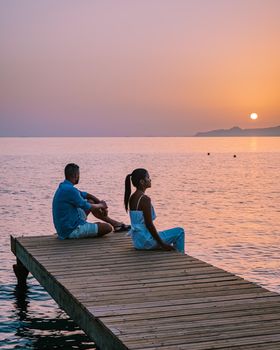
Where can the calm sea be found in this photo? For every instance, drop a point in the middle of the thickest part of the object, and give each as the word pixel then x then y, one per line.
pixel 229 207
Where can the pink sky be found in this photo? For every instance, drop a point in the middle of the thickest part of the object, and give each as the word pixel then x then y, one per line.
pixel 137 68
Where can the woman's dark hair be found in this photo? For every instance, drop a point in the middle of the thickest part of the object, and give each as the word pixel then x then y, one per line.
pixel 71 170
pixel 135 176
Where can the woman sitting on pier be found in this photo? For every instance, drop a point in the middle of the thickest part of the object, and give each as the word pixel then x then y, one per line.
pixel 143 232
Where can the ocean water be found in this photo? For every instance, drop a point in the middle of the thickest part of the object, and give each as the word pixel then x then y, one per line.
pixel 229 207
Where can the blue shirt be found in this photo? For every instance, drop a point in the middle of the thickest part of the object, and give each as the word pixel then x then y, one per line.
pixel 66 201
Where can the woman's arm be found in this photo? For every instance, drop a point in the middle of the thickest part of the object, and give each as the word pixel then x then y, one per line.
pixel 146 207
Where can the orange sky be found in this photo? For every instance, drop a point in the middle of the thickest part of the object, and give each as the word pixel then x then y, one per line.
pixel 137 68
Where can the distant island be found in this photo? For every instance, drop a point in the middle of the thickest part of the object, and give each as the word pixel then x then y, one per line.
pixel 236 131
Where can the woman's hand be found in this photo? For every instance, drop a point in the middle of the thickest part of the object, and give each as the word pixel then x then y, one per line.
pixel 146 207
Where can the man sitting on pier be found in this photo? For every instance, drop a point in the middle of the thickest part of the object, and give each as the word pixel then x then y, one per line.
pixel 71 207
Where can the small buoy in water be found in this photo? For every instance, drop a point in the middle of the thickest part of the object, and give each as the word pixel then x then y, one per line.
pixel 234 156
pixel 208 154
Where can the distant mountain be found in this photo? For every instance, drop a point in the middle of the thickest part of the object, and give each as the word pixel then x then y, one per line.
pixel 236 131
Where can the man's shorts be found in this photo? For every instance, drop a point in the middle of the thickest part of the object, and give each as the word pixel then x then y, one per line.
pixel 85 230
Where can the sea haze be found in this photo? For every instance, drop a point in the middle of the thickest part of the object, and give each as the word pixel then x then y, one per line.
pixel 224 192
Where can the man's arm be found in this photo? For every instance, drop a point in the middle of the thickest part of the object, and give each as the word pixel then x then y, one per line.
pixel 98 206
pixel 78 199
pixel 92 198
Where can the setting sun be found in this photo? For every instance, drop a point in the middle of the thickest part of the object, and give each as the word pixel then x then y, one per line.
pixel 253 116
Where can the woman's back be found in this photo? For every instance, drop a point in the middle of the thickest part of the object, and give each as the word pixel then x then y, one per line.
pixel 135 201
pixel 135 212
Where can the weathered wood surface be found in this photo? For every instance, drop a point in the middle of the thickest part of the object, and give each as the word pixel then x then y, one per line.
pixel 128 299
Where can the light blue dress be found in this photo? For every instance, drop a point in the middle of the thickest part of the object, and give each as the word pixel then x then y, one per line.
pixel 142 238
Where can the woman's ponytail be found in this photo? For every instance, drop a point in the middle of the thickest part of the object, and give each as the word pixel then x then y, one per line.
pixel 127 192
pixel 136 176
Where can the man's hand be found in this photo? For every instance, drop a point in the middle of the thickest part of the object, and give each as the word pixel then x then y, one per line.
pixel 100 210
pixel 102 205
pixel 104 210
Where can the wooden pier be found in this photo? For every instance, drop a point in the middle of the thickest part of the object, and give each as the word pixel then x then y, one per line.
pixel 128 299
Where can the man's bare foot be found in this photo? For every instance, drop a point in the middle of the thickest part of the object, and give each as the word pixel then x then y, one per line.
pixel 121 228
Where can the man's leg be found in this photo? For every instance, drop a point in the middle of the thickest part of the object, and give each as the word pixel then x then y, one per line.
pixel 104 229
pixel 103 215
pixel 91 230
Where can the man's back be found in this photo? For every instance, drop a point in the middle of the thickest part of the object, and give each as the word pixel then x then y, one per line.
pixel 66 201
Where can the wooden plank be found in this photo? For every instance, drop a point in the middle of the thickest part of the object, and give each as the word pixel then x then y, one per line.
pixel 136 285
pixel 161 295
pixel 170 326
pixel 128 299
pixel 94 328
pixel 205 344
pixel 190 304
pixel 230 343
pixel 209 312
pixel 153 289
